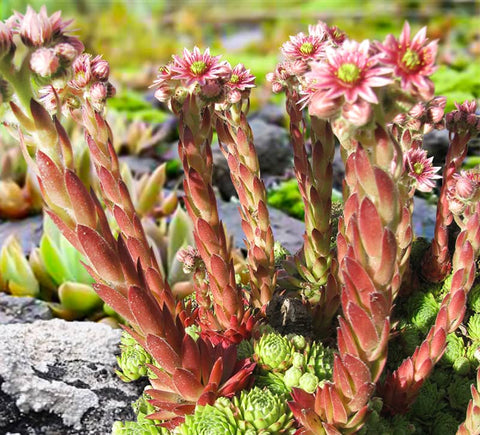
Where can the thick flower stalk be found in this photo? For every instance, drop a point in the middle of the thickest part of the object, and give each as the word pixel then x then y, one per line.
pixel 471 425
pixel 314 175
pixel 402 387
pixel 192 84
pixel 236 142
pixel 462 124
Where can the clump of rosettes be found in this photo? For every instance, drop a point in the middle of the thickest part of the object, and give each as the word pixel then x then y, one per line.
pixel 133 360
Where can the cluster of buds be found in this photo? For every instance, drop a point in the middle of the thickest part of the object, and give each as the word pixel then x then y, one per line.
pixel 52 51
pixel 464 191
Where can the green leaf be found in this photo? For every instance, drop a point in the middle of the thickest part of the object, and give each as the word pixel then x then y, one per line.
pixel 180 234
pixel 78 297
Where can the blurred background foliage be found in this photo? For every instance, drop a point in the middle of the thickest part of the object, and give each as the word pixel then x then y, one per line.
pixel 137 36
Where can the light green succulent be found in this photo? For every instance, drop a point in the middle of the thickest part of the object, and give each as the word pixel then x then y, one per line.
pixel 298 341
pixel 459 393
pixel 279 253
pixel 210 420
pixel 133 359
pixel 193 331
pixel 273 352
pixel 263 411
pixel 138 428
pixel 308 382
pixel 473 327
pixel 292 376
pixel 462 365
pixel 473 353
pixel 320 361
pixel 272 381
pixel 423 309
pixel 474 298
pixel 16 274
pixel 455 349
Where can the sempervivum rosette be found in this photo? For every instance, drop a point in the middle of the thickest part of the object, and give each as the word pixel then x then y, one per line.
pixel 273 352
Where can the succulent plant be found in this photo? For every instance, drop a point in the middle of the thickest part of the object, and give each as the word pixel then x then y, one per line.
pixel 133 359
pixel 292 376
pixel 272 381
pixel 444 423
pixel 244 349
pixel 308 382
pixel 429 401
pixel 473 353
pixel 137 428
pixel 209 420
pixel 273 352
pixel 473 327
pixel 16 274
pixel 263 411
pixel 422 309
pixel 455 349
pixel 474 298
pixel 459 393
pixel 320 361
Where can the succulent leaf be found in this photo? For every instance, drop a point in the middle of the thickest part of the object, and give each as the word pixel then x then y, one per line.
pixel 473 327
pixel 133 360
pixel 273 352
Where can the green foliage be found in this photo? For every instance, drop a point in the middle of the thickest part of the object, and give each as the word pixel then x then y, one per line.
pixel 457 85
pixel 320 361
pixel 473 353
pixel 455 349
pixel 473 327
pixel 474 298
pixel 459 392
pixel 429 401
pixel 422 309
pixel 444 423
pixel 272 381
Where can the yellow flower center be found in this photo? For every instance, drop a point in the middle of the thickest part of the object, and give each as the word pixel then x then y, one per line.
pixel 306 48
pixel 418 168
pixel 234 78
pixel 411 59
pixel 198 67
pixel 348 73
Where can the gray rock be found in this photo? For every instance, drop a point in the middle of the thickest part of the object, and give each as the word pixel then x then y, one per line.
pixel 274 155
pixel 287 230
pixel 271 114
pixel 58 377
pixel 15 309
pixel 28 231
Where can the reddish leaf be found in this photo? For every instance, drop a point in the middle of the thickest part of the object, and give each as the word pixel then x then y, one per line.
pixel 148 315
pixel 163 353
pixel 84 208
pixel 370 227
pixel 187 385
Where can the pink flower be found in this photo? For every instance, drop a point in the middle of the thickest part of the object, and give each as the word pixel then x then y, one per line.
pixel 349 71
pixel 39 29
pixel 333 34
pixel 413 60
pixel 100 69
pixel 421 169
pixel 44 62
pixel 241 78
pixel 82 71
pixel 304 47
pixel 195 67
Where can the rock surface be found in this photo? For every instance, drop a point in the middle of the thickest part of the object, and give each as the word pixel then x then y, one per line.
pixel 15 309
pixel 28 231
pixel 58 377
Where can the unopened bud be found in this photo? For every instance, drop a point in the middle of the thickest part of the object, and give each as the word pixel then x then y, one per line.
pixel 44 62
pixel 98 93
pixel 100 69
pixel 66 51
pixel 6 41
pixel 417 111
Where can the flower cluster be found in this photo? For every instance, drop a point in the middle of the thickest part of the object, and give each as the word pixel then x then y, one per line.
pixel 203 74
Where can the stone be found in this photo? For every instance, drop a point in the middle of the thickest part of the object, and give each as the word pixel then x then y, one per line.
pixel 14 309
pixel 28 230
pixel 287 230
pixel 274 155
pixel 58 377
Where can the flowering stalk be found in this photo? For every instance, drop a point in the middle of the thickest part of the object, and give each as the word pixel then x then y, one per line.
pixel 236 142
pixel 192 84
pixel 462 124
pixel 402 387
pixel 314 176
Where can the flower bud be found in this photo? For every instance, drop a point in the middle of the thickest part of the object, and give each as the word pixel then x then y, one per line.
pixel 277 87
pixel 358 114
pixel 417 111
pixel 6 41
pixel 98 94
pixel 465 188
pixel 82 71
pixel 234 96
pixel 322 106
pixel 100 69
pixel 66 51
pixel 44 62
